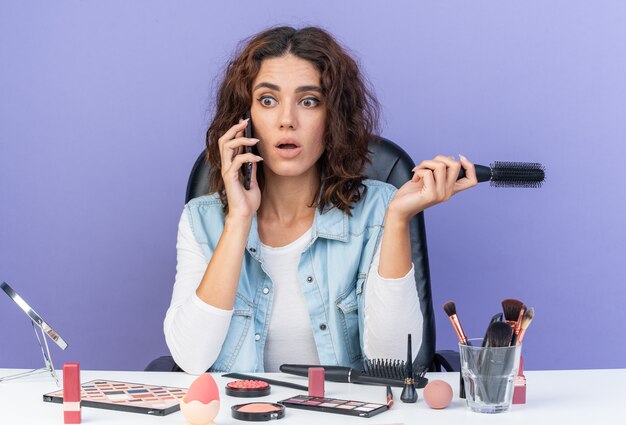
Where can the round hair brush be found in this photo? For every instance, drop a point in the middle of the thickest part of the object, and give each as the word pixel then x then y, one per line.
pixel 510 174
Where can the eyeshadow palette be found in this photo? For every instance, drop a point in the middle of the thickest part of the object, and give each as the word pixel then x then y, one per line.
pixel 333 405
pixel 128 397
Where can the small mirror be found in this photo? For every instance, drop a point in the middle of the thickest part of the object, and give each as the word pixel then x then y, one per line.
pixel 44 328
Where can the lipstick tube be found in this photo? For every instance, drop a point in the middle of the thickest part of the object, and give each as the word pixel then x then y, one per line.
pixel 71 393
pixel 316 382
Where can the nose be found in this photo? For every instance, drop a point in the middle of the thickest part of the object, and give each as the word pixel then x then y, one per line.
pixel 288 119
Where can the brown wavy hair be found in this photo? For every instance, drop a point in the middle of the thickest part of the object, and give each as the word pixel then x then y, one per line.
pixel 352 111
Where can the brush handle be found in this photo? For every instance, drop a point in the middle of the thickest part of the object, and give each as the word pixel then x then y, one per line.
pixel 331 373
pixel 483 173
pixel 269 381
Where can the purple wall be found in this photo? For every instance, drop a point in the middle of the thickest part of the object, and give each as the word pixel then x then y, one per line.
pixel 103 107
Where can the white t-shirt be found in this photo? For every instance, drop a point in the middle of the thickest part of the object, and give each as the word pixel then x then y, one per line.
pixel 290 336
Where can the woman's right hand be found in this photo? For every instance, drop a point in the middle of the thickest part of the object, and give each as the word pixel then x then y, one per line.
pixel 241 202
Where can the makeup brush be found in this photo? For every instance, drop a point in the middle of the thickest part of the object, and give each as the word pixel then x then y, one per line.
pixel 409 395
pixel 495 363
pixel 450 309
pixel 496 318
pixel 518 325
pixel 499 335
pixel 511 308
pixel 510 174
pixel 528 317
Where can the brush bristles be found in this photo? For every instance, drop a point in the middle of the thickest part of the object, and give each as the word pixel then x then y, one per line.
pixel 385 368
pixel 528 317
pixel 511 308
pixel 517 174
pixel 391 369
pixel 499 335
pixel 449 308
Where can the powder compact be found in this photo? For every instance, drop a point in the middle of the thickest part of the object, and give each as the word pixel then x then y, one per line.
pixel 248 388
pixel 258 411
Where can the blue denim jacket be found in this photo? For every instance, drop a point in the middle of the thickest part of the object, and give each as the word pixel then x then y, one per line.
pixel 332 272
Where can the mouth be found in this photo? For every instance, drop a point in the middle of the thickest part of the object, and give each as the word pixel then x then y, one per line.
pixel 287 149
pixel 287 144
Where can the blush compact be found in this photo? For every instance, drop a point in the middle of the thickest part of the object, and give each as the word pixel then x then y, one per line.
pixel 248 388
pixel 258 412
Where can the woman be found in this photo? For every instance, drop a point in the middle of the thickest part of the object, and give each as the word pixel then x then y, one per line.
pixel 297 269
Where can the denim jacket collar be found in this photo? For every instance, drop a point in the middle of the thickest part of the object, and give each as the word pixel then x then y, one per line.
pixel 330 224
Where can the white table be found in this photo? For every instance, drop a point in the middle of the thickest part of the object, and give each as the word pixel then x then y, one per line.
pixel 553 397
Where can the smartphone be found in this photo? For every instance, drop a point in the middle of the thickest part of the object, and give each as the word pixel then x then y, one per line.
pixel 247 167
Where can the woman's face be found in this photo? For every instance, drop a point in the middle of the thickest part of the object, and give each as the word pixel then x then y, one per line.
pixel 288 115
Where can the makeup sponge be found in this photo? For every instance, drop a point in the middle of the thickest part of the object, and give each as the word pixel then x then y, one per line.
pixel 204 389
pixel 202 402
pixel 438 394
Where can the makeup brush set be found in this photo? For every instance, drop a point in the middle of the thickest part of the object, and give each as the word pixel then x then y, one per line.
pixel 515 314
pixel 494 356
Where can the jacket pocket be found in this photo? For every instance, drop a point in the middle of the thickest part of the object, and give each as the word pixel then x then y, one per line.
pixel 348 307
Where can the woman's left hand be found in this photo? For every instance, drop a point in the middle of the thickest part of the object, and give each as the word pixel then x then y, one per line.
pixel 434 181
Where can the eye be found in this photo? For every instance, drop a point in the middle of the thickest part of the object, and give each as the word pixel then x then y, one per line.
pixel 310 102
pixel 267 100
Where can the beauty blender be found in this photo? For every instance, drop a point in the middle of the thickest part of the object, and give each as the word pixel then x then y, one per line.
pixel 438 394
pixel 202 402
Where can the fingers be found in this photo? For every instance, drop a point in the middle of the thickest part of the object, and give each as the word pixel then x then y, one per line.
pixel 253 181
pixel 444 171
pixel 452 173
pixel 231 143
pixel 439 172
pixel 428 184
pixel 470 179
pixel 234 146
pixel 239 160
pixel 232 175
pixel 231 133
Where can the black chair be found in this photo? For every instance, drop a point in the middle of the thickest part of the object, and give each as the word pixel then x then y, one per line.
pixel 391 164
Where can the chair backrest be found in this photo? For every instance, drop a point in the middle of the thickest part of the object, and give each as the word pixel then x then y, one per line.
pixel 391 164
